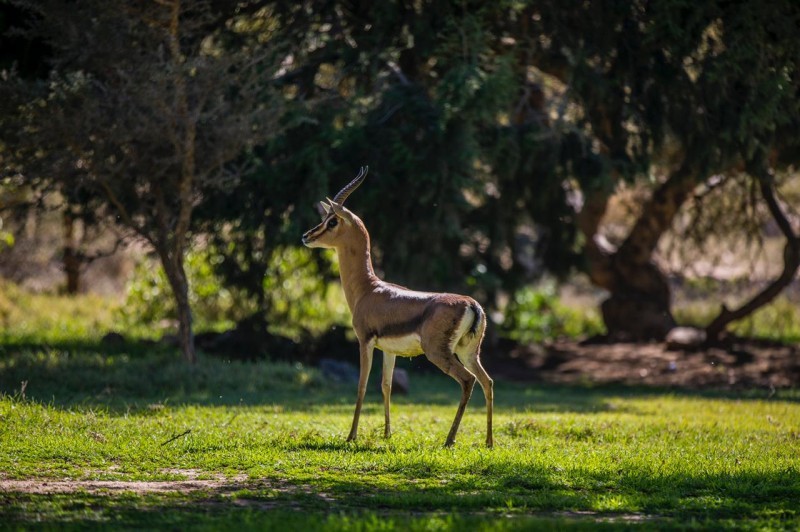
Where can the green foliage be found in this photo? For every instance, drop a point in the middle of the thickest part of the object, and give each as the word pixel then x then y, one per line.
pixel 301 300
pixel 149 299
pixel 535 315
pixel 482 122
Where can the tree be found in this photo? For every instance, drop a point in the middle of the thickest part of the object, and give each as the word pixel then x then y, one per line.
pixel 416 110
pixel 676 91
pixel 149 106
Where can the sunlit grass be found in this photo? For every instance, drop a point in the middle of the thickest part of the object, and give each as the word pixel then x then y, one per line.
pixel 274 434
pixel 665 458
pixel 47 318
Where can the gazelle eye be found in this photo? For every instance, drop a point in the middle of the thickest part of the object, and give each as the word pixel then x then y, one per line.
pixel 333 222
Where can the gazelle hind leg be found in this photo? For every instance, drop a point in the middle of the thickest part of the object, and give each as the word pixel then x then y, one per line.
pixel 449 364
pixel 386 388
pixel 472 362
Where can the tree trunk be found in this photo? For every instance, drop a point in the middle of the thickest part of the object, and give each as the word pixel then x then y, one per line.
pixel 791 260
pixel 71 260
pixel 176 275
pixel 634 313
pixel 638 307
pixel 185 333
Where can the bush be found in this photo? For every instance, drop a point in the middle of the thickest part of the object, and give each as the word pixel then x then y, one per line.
pixel 149 300
pixel 300 301
pixel 535 314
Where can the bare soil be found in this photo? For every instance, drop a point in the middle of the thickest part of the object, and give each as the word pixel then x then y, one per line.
pixel 216 485
pixel 741 364
pixel 190 482
pixel 48 487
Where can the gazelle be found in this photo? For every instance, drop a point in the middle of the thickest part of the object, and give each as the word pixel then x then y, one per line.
pixel 447 328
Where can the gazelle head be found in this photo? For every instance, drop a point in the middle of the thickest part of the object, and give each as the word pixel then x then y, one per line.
pixel 337 221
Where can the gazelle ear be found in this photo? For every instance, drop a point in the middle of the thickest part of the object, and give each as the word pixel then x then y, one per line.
pixel 335 206
pixel 323 209
pixel 340 211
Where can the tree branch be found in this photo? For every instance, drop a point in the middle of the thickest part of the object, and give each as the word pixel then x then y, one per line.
pixel 791 257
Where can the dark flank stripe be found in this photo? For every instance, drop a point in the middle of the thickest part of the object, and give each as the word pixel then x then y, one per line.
pixel 398 329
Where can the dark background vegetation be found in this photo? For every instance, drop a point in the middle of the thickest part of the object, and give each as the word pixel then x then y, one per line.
pixel 637 145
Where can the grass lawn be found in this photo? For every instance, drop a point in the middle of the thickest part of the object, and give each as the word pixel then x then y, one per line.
pixel 134 438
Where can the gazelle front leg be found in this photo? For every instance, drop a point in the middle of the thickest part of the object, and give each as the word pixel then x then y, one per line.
pixel 386 387
pixel 365 357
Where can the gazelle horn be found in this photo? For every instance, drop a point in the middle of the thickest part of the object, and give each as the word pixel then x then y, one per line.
pixel 351 186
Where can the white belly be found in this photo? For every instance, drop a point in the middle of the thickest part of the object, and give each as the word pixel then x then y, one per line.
pixel 405 346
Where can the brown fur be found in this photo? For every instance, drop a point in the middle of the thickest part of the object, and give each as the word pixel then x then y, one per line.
pixel 383 310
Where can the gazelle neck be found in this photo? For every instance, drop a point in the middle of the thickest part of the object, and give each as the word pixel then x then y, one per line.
pixel 355 267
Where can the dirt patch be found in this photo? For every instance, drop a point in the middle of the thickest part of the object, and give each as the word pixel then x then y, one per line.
pixel 741 364
pixel 193 481
pixel 47 487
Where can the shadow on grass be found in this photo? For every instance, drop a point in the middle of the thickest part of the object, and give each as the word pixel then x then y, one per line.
pixel 685 496
pixel 90 511
pixel 523 499
pixel 132 377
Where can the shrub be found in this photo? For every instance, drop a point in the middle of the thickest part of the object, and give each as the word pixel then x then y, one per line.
pixel 300 301
pixel 536 314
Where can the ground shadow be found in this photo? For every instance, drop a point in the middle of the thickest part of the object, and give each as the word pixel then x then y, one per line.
pixel 130 377
pixel 544 494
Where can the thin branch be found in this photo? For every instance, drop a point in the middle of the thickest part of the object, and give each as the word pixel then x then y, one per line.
pixel 87 258
pixel 184 433
pixel 120 208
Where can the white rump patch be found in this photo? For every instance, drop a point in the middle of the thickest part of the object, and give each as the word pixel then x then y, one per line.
pixel 461 343
pixel 404 346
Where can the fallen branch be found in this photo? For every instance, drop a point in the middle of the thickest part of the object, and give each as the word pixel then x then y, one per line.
pixel 176 437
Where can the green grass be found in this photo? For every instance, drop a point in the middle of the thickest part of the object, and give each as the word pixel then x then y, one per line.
pixel 269 440
pixel 564 457
pixel 45 318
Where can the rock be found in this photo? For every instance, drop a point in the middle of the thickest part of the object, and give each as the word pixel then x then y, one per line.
pixel 400 383
pixel 338 371
pixel 685 338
